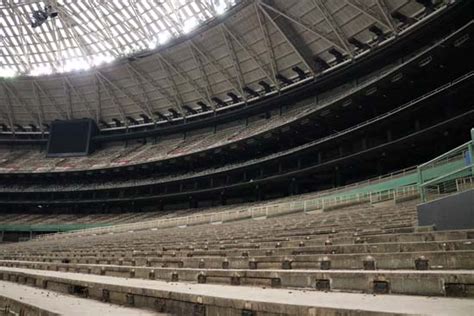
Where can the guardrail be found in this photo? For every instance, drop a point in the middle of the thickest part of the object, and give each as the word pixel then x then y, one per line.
pixel 464 184
pixel 441 188
pixel 448 181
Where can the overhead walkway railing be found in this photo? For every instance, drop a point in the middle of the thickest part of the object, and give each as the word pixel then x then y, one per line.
pixel 451 172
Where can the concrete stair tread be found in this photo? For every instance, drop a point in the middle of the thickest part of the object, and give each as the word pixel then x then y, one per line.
pixel 301 271
pixel 61 304
pixel 277 297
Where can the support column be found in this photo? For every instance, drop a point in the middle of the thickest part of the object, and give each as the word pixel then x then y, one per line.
pixel 471 151
pixel 417 125
pixel 223 198
pixel 258 193
pixel 293 187
pixel 420 182
pixel 337 176
pixel 364 143
pixel 193 203
pixel 379 167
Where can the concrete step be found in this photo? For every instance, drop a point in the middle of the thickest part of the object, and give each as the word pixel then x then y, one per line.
pixel 438 260
pixel 407 282
pixel 301 248
pixel 16 299
pixel 132 242
pixel 210 299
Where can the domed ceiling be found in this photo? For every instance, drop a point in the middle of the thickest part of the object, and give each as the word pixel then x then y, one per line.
pixel 132 62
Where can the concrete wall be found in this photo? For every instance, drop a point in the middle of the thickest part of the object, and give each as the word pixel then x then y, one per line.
pixel 452 212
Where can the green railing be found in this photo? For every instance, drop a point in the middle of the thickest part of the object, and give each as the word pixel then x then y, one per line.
pixel 442 174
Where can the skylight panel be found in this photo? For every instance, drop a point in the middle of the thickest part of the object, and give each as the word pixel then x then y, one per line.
pixel 53 46
pixel 49 37
pixel 13 41
pixel 112 19
pixel 149 17
pixel 190 24
pixel 164 37
pixel 9 32
pixel 135 36
pixel 220 6
pixel 128 38
pixel 80 5
pixel 41 70
pixel 161 25
pixel 121 40
pixel 133 23
pixel 76 64
pixel 154 28
pixel 7 72
pixel 114 32
pixel 9 21
pixel 145 7
pixel 44 58
pixel 120 29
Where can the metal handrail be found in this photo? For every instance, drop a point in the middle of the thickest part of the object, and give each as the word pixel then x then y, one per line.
pixel 447 175
pixel 440 157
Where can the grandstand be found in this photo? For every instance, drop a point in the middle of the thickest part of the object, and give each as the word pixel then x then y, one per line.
pixel 237 157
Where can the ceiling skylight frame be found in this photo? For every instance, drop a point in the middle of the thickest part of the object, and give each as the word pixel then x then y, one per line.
pixel 94 28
